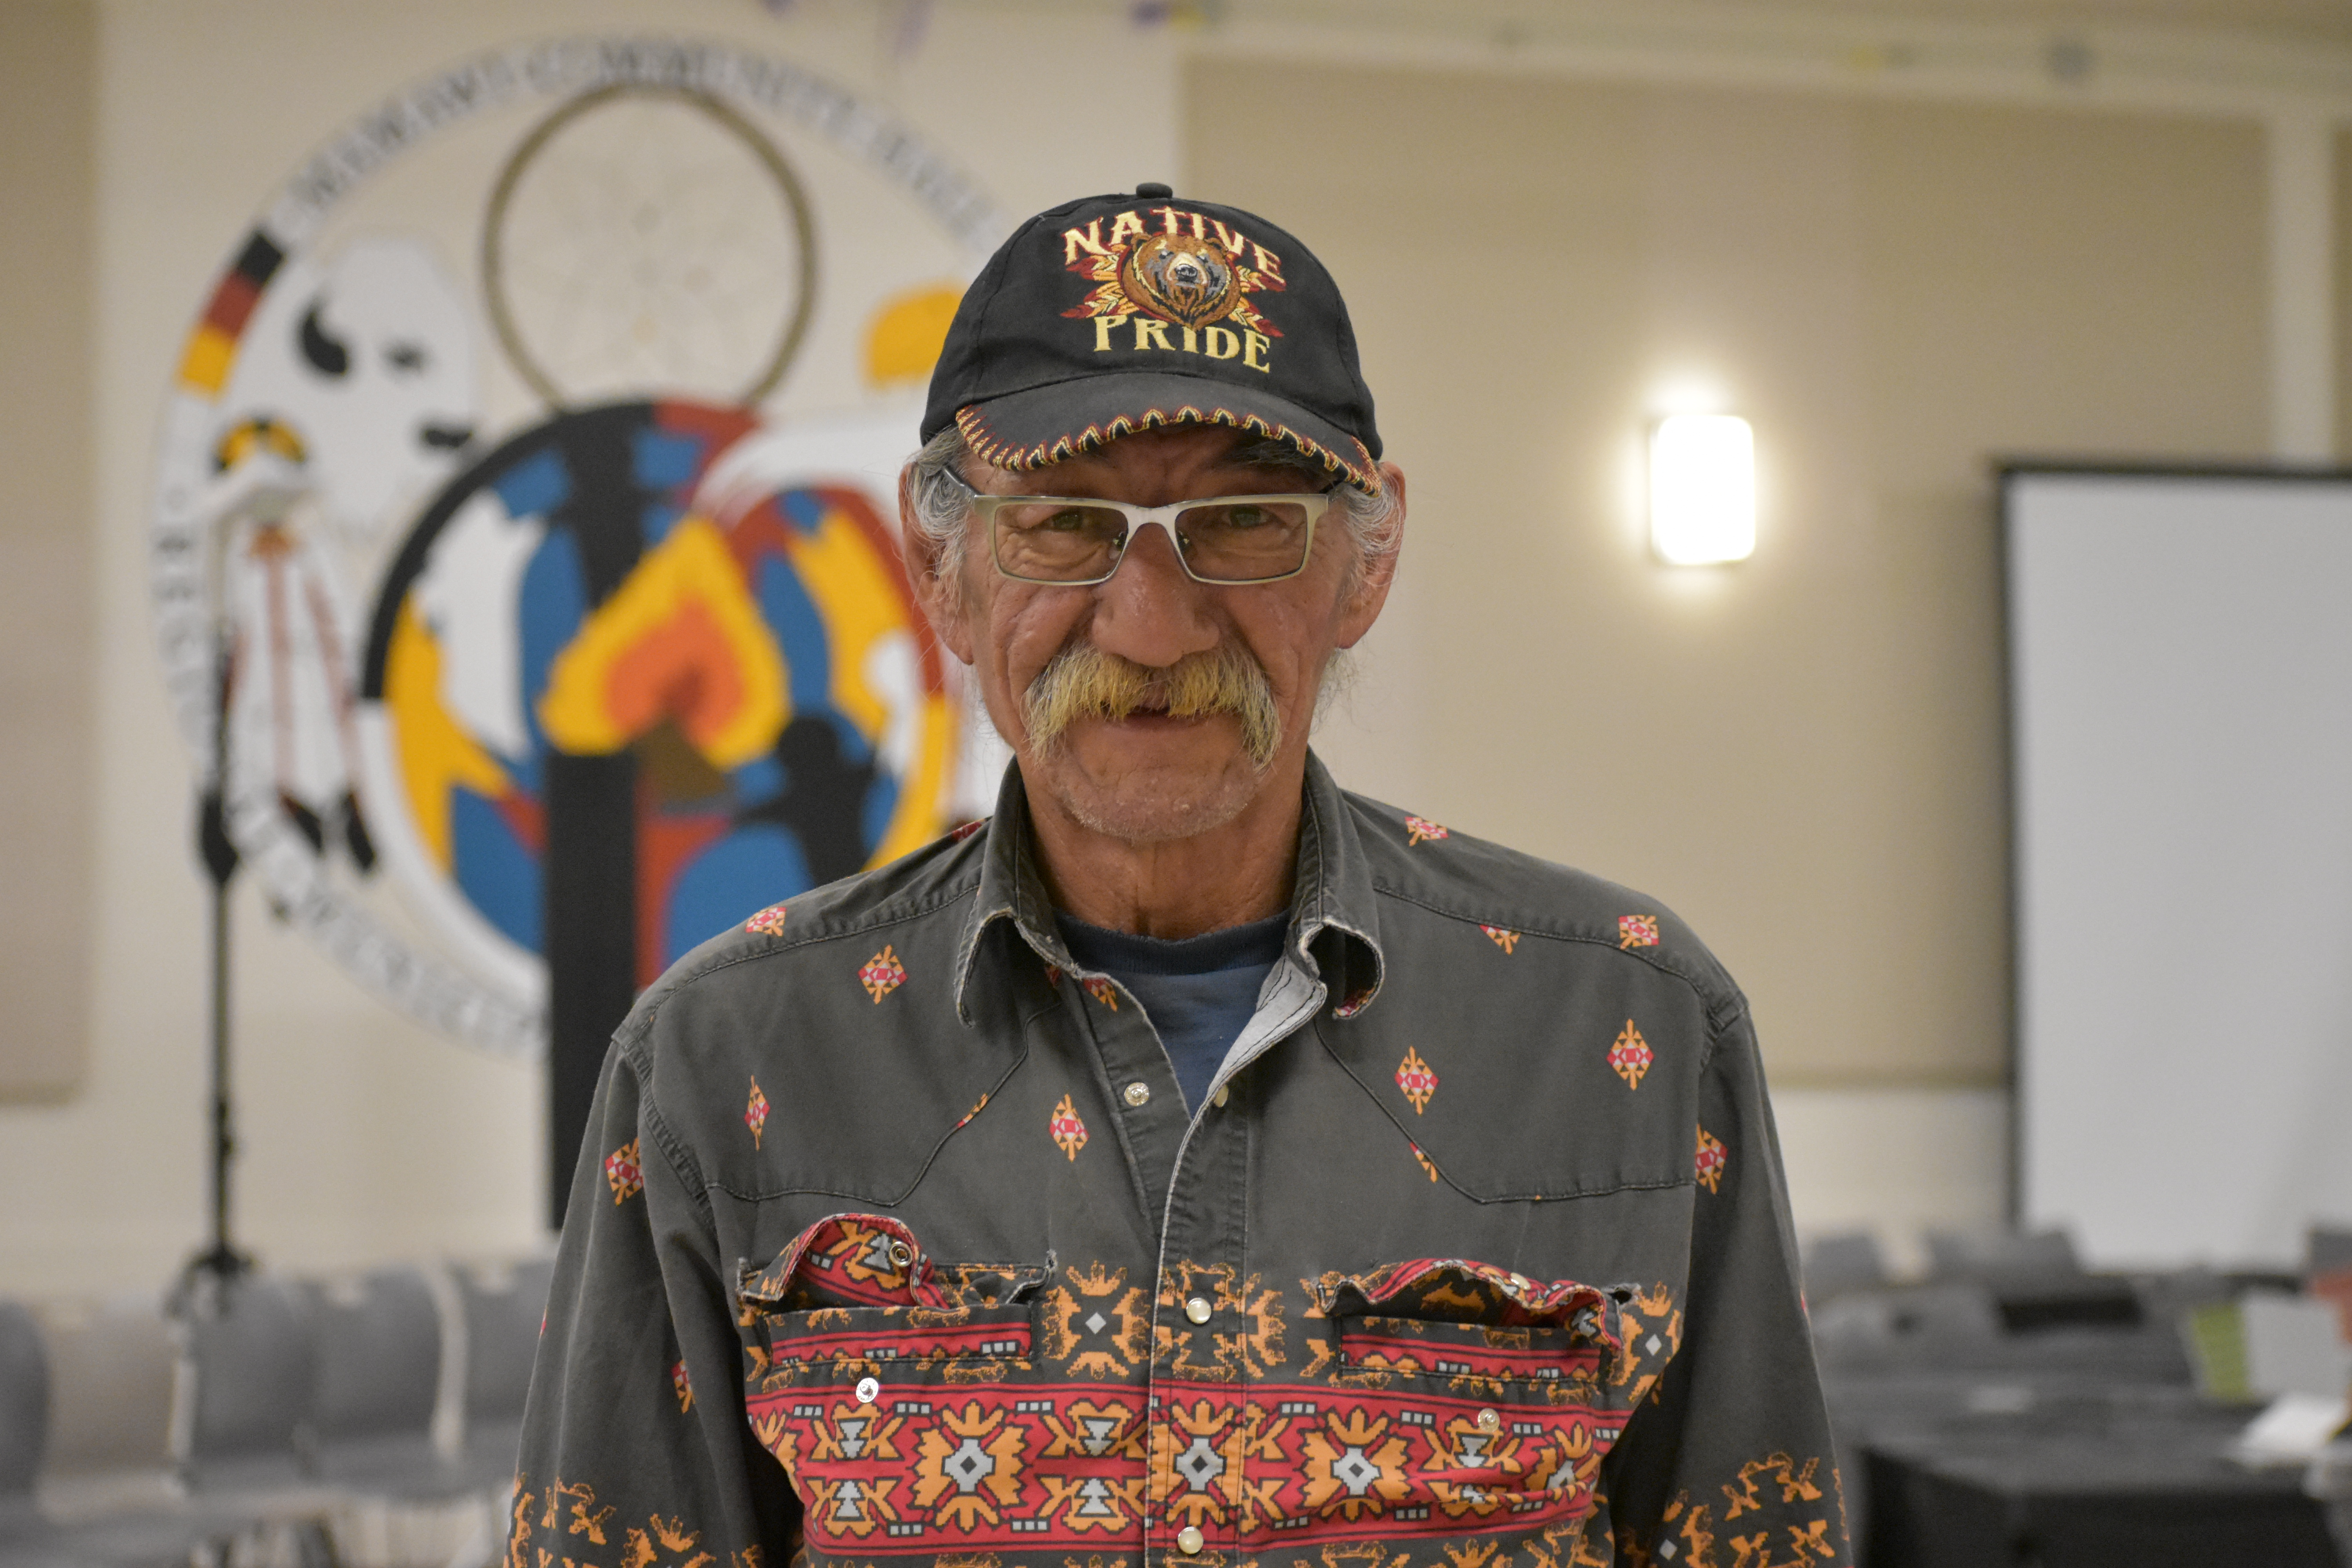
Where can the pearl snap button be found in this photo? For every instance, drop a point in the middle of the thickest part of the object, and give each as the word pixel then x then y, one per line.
pixel 867 1389
pixel 1224 1092
pixel 1190 1540
pixel 1197 1308
pixel 1139 1093
pixel 1488 1421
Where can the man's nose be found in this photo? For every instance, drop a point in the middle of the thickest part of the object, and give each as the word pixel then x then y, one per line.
pixel 1150 611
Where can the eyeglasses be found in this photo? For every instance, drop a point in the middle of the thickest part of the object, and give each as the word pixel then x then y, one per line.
pixel 1220 540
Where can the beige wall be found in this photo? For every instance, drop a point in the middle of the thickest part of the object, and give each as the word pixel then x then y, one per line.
pixel 49 63
pixel 2343 301
pixel 364 1136
pixel 1803 754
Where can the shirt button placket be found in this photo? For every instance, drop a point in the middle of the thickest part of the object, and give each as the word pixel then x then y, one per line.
pixel 1157 1118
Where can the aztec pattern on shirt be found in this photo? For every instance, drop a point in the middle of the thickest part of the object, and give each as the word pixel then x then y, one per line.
pixel 918 1402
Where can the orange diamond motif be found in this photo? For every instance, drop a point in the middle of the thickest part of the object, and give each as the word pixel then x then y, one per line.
pixel 622 1171
pixel 1104 992
pixel 883 973
pixel 683 1386
pixel 1509 941
pixel 1069 1133
pixel 1425 1161
pixel 965 830
pixel 755 1112
pixel 1637 930
pixel 769 921
pixel 1355 1003
pixel 1423 830
pixel 1631 1056
pixel 1415 1077
pixel 1712 1159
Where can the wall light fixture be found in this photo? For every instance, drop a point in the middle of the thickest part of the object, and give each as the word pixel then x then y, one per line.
pixel 1702 489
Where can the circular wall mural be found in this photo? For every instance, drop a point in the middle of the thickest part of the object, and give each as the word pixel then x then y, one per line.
pixel 523 547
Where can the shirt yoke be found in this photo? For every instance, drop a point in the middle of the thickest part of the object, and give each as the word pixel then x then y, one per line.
pixel 1512 896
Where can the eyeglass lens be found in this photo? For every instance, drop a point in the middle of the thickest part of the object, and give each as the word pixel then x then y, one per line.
pixel 1222 541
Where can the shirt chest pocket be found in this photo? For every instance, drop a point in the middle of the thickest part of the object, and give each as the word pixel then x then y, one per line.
pixel 1470 1356
pixel 1496 1397
pixel 856 1347
pixel 906 1400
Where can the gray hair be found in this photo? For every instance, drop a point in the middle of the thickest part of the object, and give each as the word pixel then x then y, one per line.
pixel 941 500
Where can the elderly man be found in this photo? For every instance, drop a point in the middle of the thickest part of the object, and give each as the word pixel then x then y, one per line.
pixel 1195 1164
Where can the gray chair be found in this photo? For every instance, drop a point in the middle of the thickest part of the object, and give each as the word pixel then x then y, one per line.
pixel 385 1352
pixel 2010 1257
pixel 1840 1264
pixel 111 1366
pixel 402 1500
pixel 378 1378
pixel 24 1419
pixel 251 1366
pixel 1916 1322
pixel 504 1309
pixel 113 1534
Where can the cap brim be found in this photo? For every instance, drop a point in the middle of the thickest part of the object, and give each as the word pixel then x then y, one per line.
pixel 1043 425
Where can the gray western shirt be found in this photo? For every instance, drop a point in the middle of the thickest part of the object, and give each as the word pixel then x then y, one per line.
pixel 894 1243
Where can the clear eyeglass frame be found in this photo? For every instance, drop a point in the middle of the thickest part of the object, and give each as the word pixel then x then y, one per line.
pixel 1313 504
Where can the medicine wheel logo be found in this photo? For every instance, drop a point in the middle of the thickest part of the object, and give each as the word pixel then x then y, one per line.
pixel 542 588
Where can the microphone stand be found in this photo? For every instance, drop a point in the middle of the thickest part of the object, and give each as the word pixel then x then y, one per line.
pixel 223 1261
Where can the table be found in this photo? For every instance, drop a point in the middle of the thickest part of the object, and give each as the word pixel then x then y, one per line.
pixel 2120 1476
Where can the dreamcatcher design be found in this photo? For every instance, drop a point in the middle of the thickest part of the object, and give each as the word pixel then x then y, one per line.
pixel 648 238
pixel 646 621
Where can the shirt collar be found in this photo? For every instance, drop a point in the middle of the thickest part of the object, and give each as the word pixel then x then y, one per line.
pixel 1333 893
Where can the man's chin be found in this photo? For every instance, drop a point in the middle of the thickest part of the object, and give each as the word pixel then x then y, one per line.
pixel 1134 816
pixel 1151 800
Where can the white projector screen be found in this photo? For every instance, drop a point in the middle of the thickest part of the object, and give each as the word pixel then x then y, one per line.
pixel 2180 689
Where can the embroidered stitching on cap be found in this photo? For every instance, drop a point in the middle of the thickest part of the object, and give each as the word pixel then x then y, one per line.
pixel 1004 455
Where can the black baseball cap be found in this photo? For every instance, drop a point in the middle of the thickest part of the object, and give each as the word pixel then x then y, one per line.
pixel 1113 314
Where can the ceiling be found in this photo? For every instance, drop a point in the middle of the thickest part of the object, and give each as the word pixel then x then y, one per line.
pixel 2316 20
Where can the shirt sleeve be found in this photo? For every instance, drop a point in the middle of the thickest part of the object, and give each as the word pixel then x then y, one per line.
pixel 636 1452
pixel 1729 1460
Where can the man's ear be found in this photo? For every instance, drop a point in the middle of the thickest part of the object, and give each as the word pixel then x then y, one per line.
pixel 939 592
pixel 1374 575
